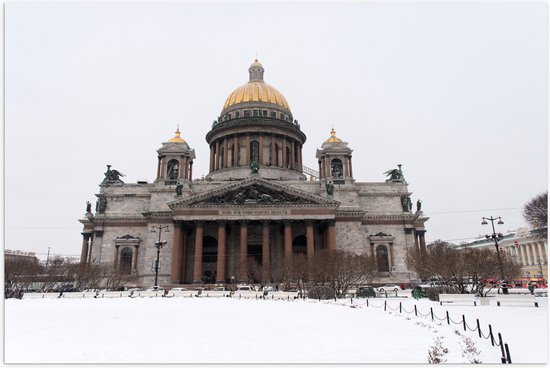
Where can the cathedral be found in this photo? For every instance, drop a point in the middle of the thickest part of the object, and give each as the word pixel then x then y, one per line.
pixel 258 204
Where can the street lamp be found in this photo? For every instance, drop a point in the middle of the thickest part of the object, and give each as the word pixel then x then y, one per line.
pixel 496 237
pixel 47 257
pixel 159 244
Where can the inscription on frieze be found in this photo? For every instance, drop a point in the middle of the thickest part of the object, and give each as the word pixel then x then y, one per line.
pixel 253 212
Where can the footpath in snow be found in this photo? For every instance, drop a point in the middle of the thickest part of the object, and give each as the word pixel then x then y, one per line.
pixel 230 330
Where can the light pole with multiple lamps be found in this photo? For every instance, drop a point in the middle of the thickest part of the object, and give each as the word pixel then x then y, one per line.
pixel 159 244
pixel 496 237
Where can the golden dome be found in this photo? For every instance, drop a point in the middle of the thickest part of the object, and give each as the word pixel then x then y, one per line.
pixel 333 138
pixel 256 90
pixel 177 138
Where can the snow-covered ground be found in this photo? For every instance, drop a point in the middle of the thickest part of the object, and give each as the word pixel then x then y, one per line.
pixel 229 330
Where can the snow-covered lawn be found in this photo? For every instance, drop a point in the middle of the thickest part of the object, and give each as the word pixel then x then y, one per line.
pixel 229 330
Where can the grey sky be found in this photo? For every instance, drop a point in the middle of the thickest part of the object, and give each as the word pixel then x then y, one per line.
pixel 456 92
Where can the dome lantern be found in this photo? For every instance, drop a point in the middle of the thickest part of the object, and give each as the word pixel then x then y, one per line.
pixel 256 71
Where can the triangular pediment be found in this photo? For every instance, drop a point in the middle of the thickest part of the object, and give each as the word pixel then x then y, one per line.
pixel 254 192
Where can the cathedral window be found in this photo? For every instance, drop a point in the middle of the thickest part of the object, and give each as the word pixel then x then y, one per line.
pixel 237 114
pixel 336 168
pixel 126 261
pixel 273 114
pixel 382 259
pixel 233 155
pixel 255 112
pixel 254 151
pixel 229 116
pixel 173 169
pixel 222 156
pixel 277 155
pixel 264 112
pixel 246 113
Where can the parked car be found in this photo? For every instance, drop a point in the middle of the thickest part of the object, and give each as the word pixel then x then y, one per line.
pixel 245 288
pixel 389 287
pixel 268 288
pixel 420 291
pixel 218 288
pixel 156 288
pixel 178 289
pixel 365 292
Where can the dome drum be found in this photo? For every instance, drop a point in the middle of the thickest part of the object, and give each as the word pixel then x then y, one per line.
pixel 250 125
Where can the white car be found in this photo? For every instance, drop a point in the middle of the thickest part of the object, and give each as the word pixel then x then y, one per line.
pixel 178 289
pixel 390 287
pixel 245 288
pixel 156 288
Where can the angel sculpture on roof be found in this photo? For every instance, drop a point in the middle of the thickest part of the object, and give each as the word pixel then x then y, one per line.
pixel 112 176
pixel 395 175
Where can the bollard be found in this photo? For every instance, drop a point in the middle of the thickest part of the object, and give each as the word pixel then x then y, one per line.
pixel 448 319
pixel 399 307
pixel 464 322
pixel 239 296
pixel 491 335
pixel 367 302
pixel 508 359
pixel 432 313
pixel 478 328
pixel 385 304
pixel 351 299
pixel 503 358
pixel 415 311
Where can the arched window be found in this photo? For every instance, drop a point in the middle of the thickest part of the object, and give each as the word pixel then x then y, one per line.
pixel 255 152
pixel 233 155
pixel 126 261
pixel 336 168
pixel 222 156
pixel 382 259
pixel 173 169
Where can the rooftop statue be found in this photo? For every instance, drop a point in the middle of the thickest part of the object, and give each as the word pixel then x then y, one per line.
pixel 112 176
pixel 179 189
pixel 254 167
pixel 395 175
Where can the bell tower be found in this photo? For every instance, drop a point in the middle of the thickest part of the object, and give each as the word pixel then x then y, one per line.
pixel 334 159
pixel 175 161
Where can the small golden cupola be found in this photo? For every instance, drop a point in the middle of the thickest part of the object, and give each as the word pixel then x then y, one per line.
pixel 177 138
pixel 333 138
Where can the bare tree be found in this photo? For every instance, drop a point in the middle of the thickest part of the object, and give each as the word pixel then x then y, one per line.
pixel 535 213
pixel 19 275
pixel 338 270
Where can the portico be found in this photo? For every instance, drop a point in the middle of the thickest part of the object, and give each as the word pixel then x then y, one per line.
pixel 253 223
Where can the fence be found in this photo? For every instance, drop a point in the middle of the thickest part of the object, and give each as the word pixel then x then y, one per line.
pixel 504 349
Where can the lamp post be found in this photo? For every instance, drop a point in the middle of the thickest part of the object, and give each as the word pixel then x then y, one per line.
pixel 159 244
pixel 496 237
pixel 48 257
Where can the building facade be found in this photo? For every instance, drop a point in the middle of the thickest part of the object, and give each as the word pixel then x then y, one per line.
pixel 524 247
pixel 258 205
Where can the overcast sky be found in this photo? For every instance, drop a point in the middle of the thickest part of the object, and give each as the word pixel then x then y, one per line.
pixel 456 92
